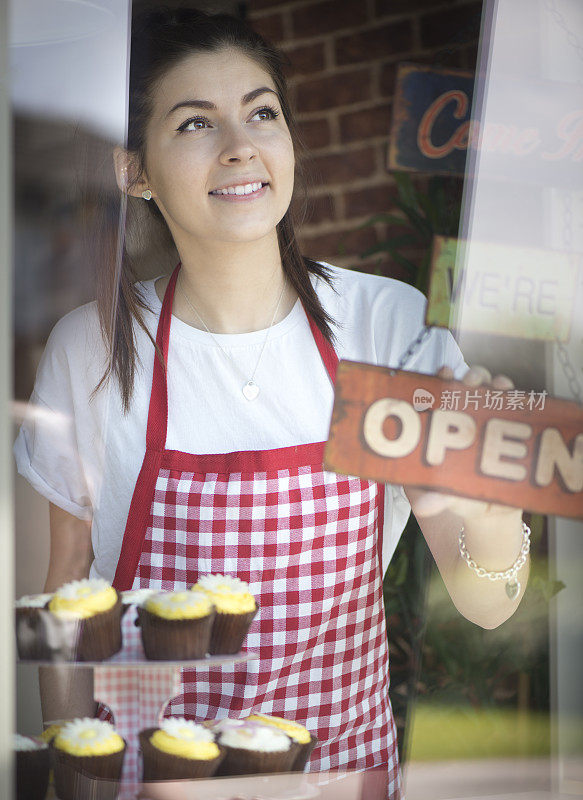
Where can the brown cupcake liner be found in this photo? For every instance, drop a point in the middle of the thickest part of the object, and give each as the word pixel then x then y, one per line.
pixel 42 636
pixel 239 761
pixel 100 635
pixel 305 751
pixel 175 639
pixel 229 632
pixel 32 774
pixel 87 777
pixel 160 766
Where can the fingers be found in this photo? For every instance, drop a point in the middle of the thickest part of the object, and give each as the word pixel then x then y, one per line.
pixel 445 373
pixel 502 382
pixel 477 376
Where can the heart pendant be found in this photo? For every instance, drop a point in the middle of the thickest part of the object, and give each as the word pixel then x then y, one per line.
pixel 250 390
pixel 512 589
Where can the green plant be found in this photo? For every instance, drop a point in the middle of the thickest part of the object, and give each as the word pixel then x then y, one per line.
pixel 424 214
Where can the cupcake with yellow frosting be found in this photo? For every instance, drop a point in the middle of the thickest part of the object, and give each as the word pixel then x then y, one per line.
pixel 252 748
pixel 297 732
pixel 176 625
pixel 235 606
pixel 88 759
pixel 32 767
pixel 179 748
pixel 96 608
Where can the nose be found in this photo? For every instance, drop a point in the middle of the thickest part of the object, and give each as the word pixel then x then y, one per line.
pixel 237 146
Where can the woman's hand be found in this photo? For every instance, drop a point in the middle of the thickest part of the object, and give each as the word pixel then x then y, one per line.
pixel 493 535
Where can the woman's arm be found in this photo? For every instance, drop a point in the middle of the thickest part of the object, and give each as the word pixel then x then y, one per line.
pixel 493 538
pixel 67 692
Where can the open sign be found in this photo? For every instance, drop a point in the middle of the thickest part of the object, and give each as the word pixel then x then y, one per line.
pixel 517 448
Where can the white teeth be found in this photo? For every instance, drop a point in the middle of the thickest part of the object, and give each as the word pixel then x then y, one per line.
pixel 246 189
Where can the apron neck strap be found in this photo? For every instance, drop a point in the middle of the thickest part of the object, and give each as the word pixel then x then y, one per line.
pixel 158 411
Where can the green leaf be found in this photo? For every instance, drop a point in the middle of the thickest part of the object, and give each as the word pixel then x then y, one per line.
pixel 406 188
pixel 417 220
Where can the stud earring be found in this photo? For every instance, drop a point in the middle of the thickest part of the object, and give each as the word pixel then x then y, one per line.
pixel 147 194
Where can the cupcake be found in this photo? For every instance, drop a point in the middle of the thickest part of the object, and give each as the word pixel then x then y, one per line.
pixel 31 628
pixel 305 740
pixel 252 748
pixel 88 759
pixel 136 597
pixel 176 625
pixel 235 607
pixel 96 606
pixel 32 767
pixel 179 748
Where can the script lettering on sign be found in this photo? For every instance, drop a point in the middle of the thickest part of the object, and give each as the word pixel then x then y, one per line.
pixel 535 123
pixel 518 448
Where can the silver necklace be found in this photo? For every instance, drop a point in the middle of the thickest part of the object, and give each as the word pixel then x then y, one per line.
pixel 250 389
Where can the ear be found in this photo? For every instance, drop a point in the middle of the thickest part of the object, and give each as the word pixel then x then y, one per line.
pixel 125 173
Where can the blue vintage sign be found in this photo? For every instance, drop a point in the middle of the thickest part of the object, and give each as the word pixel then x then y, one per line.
pixel 431 119
pixel 531 131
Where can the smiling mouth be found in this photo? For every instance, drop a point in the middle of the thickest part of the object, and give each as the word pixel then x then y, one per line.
pixel 240 190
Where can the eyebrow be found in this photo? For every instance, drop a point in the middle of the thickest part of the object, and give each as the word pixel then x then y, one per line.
pixel 206 104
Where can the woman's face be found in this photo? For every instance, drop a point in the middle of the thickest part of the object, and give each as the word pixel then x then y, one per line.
pixel 217 126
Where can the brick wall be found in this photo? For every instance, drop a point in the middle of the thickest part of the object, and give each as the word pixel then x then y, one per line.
pixel 344 55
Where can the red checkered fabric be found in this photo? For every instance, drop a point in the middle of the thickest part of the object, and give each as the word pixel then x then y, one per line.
pixel 307 542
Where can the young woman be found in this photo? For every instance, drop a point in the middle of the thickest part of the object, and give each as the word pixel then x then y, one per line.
pixel 201 451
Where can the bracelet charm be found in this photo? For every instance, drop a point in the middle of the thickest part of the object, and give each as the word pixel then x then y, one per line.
pixel 509 575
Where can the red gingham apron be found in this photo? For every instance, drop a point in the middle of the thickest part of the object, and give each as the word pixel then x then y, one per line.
pixel 308 542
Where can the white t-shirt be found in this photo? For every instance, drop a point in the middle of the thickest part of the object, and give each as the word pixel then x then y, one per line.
pixel 85 454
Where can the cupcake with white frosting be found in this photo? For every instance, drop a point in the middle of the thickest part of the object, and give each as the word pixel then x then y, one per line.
pixel 32 767
pixel 235 609
pixel 96 608
pixel 179 749
pixel 88 759
pixel 301 735
pixel 176 625
pixel 136 597
pixel 252 748
pixel 32 622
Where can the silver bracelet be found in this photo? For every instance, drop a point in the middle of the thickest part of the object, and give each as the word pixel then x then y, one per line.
pixel 509 575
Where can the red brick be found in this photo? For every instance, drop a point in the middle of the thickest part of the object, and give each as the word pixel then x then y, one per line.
pixel 320 209
pixel 258 5
pixel 363 124
pixel 384 7
pixel 374 200
pixel 270 27
pixel 344 166
pixel 388 79
pixel 327 17
pixel 328 246
pixel 334 90
pixel 306 59
pixel 461 23
pixel 315 133
pixel 376 42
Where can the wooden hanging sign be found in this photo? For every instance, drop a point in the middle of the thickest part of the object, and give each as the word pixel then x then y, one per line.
pixel 518 448
pixel 491 288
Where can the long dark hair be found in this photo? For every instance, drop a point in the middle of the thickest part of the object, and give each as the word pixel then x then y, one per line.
pixel 161 38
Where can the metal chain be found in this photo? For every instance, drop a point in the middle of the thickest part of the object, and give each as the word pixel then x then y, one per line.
pixel 497 576
pixel 424 334
pixel 568 368
pixel 560 20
